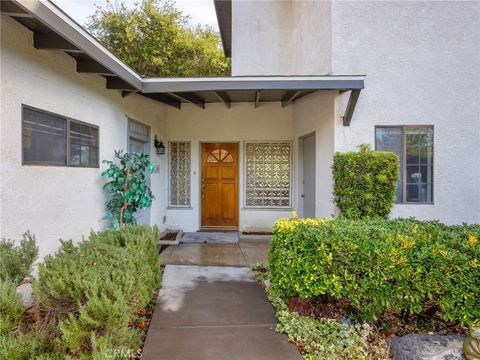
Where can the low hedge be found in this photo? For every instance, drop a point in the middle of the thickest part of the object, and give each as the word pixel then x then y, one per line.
pixel 90 298
pixel 379 265
pixel 365 182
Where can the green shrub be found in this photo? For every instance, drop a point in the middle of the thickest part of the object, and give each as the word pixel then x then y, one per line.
pixel 322 339
pixel 94 291
pixel 30 346
pixel 11 307
pixel 380 265
pixel 16 261
pixel 364 182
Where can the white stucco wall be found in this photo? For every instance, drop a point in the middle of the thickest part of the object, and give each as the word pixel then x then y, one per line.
pixel 216 123
pixel 422 61
pixel 281 37
pixel 315 114
pixel 66 202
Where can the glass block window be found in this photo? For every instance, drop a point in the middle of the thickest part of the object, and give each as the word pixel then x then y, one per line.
pixel 179 174
pixel 267 174
pixel 414 147
pixel 50 139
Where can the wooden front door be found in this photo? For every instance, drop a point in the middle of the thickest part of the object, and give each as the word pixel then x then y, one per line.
pixel 219 185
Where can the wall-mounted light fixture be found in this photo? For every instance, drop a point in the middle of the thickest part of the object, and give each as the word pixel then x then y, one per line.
pixel 159 146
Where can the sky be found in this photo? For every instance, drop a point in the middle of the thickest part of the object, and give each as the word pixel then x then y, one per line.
pixel 200 11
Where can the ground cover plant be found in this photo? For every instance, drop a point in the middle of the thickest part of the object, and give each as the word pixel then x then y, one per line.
pixel 91 299
pixel 402 275
pixel 365 182
pixel 15 265
pixel 321 338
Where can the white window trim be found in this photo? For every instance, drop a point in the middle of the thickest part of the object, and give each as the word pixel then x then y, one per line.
pixel 170 205
pixel 244 180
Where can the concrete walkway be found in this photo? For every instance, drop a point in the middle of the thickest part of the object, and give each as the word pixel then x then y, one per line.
pixel 214 313
pixel 243 253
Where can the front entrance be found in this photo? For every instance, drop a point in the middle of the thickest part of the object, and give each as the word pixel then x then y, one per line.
pixel 139 142
pixel 308 194
pixel 219 185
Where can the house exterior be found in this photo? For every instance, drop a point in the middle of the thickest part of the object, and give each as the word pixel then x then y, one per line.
pixel 308 79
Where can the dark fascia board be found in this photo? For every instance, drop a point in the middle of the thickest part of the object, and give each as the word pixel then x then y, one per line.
pixel 59 22
pixel 223 9
pixel 163 85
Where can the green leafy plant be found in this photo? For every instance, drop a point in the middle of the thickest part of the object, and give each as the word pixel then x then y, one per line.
pixel 26 346
pixel 322 339
pixel 127 189
pixel 11 307
pixel 364 182
pixel 156 39
pixel 403 266
pixel 16 261
pixel 93 294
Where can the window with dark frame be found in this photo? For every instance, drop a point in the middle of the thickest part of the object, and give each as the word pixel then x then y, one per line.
pixel 414 147
pixel 51 139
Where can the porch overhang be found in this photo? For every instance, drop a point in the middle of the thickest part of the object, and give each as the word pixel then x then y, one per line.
pixel 55 30
pixel 255 89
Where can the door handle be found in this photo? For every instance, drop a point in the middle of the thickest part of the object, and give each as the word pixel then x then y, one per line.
pixel 203 188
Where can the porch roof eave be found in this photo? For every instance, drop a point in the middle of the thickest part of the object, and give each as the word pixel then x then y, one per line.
pixel 284 89
pixel 249 83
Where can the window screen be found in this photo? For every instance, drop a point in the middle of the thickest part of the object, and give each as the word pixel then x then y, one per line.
pixel 83 145
pixel 44 138
pixel 50 139
pixel 267 174
pixel 414 147
pixel 179 179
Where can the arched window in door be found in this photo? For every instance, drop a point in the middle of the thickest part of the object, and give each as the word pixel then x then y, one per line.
pixel 219 155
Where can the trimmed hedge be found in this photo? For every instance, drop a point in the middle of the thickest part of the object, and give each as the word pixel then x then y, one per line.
pixel 380 265
pixel 91 297
pixel 364 182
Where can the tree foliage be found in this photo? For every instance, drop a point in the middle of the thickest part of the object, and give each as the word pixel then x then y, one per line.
pixel 127 188
pixel 155 39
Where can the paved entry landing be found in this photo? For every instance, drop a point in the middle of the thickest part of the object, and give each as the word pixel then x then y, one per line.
pixel 204 237
pixel 212 312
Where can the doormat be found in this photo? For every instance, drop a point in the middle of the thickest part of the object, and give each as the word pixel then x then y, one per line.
pixel 210 238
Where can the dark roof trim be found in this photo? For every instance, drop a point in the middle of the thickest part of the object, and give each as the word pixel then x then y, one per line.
pixel 55 30
pixel 59 22
pixel 223 8
pixel 156 85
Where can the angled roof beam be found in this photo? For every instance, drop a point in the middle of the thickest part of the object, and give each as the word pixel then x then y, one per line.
pixel 289 97
pixel 352 102
pixel 116 83
pixel 52 41
pixel 258 95
pixel 128 93
pixel 11 9
pixel 54 18
pixel 190 98
pixel 223 96
pixel 165 99
pixel 92 67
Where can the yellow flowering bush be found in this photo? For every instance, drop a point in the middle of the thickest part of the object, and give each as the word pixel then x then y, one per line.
pixel 380 265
